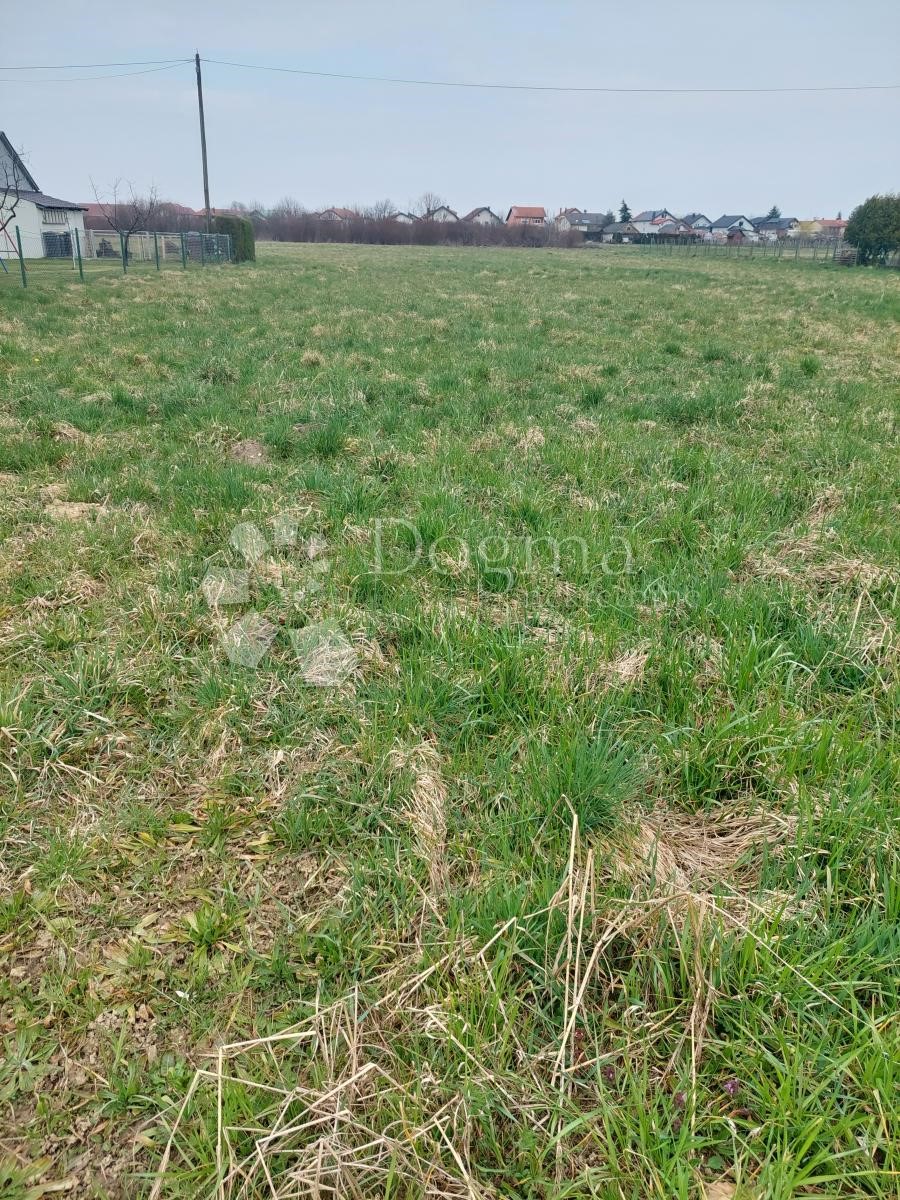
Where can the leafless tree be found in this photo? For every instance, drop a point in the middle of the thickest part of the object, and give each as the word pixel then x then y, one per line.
pixel 127 216
pixel 381 210
pixel 10 194
pixel 427 203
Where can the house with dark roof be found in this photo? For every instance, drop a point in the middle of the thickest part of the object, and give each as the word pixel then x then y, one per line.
pixel 676 230
pixel 482 216
pixel 649 221
pixel 733 227
pixel 654 214
pixel 563 219
pixel 442 214
pixel 775 228
pixel 591 224
pixel 620 231
pixel 46 224
pixel 698 221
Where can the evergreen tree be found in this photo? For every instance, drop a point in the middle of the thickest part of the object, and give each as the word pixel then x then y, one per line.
pixel 624 212
pixel 774 213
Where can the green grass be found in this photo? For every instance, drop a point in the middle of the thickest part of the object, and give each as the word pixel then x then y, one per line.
pixel 586 858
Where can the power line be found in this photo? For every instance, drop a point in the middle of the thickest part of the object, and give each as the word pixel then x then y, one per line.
pixel 90 78
pixel 536 87
pixel 165 64
pixel 150 62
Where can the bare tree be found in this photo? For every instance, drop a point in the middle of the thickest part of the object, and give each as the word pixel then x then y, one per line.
pixel 127 216
pixel 381 210
pixel 10 194
pixel 427 203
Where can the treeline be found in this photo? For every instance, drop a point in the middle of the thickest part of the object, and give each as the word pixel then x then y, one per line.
pixel 288 223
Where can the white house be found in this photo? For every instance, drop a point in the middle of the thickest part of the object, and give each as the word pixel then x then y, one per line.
pixel 442 213
pixel 733 227
pixel 565 218
pixel 403 218
pixel 482 216
pixel 46 224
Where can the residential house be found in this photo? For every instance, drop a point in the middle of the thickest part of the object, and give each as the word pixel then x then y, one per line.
pixel 620 231
pixel 46 224
pixel 831 228
pixel 442 214
pixel 733 227
pixel 564 218
pixel 675 230
pixel 649 221
pixel 773 229
pixel 698 221
pixel 654 215
pixel 482 216
pixel 404 218
pixel 591 224
pixel 522 214
pixel 336 214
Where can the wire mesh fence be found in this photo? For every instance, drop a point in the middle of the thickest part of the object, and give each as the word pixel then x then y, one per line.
pixel 80 253
pixel 829 253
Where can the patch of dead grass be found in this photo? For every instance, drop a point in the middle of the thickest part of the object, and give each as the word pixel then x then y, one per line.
pixel 426 812
pixel 804 556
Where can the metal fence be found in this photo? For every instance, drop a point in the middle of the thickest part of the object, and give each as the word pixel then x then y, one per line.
pixel 829 253
pixel 81 253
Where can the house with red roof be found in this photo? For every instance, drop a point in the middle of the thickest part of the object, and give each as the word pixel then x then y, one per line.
pixel 522 214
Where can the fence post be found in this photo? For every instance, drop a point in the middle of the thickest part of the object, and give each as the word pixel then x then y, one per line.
pixel 21 257
pixel 78 255
pixel 156 249
pixel 183 254
pixel 202 252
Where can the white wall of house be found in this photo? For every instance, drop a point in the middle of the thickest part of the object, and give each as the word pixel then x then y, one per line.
pixel 443 214
pixel 486 217
pixel 33 222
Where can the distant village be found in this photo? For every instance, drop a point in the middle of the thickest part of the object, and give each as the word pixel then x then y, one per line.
pixel 650 225
pixel 657 224
pixel 49 226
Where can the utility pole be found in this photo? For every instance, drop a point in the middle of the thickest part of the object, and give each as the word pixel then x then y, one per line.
pixel 203 141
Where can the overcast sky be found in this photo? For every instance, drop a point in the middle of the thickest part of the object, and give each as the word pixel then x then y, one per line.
pixel 328 141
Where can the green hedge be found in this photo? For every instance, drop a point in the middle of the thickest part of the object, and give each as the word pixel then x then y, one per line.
pixel 240 230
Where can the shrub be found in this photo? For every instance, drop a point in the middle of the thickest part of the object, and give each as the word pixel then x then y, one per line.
pixel 240 230
pixel 874 228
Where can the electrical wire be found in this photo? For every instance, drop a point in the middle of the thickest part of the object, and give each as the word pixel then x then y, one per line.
pixel 535 87
pixel 152 66
pixel 150 62
pixel 91 78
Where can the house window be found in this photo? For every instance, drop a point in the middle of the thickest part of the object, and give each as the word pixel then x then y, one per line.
pixel 54 216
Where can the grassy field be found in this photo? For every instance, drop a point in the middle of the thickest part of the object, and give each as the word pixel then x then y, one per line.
pixel 448 729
